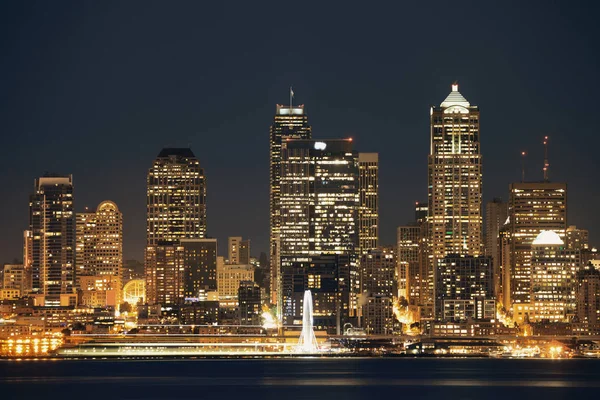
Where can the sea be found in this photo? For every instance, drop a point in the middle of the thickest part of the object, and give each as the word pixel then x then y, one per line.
pixel 302 378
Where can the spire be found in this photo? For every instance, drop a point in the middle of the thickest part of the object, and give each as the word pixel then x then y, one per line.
pixel 523 154
pixel 546 162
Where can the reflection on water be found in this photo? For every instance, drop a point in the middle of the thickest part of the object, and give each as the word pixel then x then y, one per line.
pixel 304 378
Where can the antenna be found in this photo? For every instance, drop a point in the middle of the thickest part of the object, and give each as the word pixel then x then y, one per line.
pixel 523 154
pixel 546 163
pixel 291 97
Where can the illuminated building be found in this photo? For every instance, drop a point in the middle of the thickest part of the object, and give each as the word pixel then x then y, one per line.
pixel 99 291
pixel 164 273
pixel 576 239
pixel 464 288
pixel 199 313
pixel 289 123
pixel 134 291
pixel 496 212
pixel 588 298
pixel 378 315
pixel 455 178
pixel 238 250
pixel 99 252
pixel 52 225
pixel 229 277
pixel 377 270
pixel 553 270
pixel 249 299
pixel 14 277
pixel 200 267
pixel 327 276
pixel 533 207
pixel 176 197
pixel 319 197
pixel 27 259
pixel 368 210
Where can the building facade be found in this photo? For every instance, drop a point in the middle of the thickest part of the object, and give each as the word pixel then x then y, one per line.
pixel 200 267
pixel 368 210
pixel 165 271
pixel 249 299
pixel 52 226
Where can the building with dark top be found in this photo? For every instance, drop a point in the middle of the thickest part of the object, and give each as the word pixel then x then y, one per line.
pixel 249 300
pixel 200 267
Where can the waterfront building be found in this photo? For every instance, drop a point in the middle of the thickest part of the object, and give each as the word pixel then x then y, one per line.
pixel 250 302
pixel 368 210
pixel 588 298
pixel 200 267
pixel 327 276
pixel 176 197
pixel 553 286
pixel 290 122
pixel 533 207
pixel 465 288
pixel 377 270
pixel 164 270
pixel 378 315
pixel 496 213
pixel 52 226
pixel 99 249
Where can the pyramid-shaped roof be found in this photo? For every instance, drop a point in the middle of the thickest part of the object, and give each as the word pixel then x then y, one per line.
pixel 455 99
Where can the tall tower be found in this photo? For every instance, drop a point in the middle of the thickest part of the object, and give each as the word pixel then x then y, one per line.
pixel 290 122
pixel 455 178
pixel 99 246
pixel 368 210
pixel 533 207
pixel 176 197
pixel 52 226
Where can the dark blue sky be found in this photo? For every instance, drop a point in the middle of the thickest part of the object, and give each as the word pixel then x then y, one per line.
pixel 96 89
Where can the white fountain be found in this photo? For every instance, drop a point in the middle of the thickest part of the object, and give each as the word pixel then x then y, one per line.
pixel 307 342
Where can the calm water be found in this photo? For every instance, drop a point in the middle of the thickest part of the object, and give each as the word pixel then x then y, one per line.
pixel 334 379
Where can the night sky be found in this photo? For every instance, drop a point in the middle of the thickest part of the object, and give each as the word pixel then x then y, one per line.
pixel 96 89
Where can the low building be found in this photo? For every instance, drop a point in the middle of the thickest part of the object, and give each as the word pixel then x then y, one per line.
pixel 378 315
pixel 249 299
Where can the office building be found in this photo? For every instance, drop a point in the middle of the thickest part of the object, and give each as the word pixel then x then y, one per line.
pixel 533 207
pixel 318 198
pixel 238 250
pixel 249 299
pixel 588 298
pixel 378 315
pixel 176 197
pixel 165 271
pixel 553 286
pixel 577 239
pixel 327 276
pixel 465 288
pixel 27 259
pixel 368 210
pixel 200 267
pixel 52 226
pixel 13 277
pixel 290 122
pixel 229 277
pixel 377 271
pixel 496 213
pixel 99 248
pixel 455 178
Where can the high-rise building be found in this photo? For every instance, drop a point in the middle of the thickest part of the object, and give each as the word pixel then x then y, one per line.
pixel 200 267
pixel 368 210
pixel 410 279
pixel 164 270
pixel 496 213
pixel 176 198
pixel 378 315
pixel 533 207
pixel 377 270
pixel 52 226
pixel 99 250
pixel 289 123
pixel 328 279
pixel 229 277
pixel 553 286
pixel 588 298
pixel 577 239
pixel 464 288
pixel 455 178
pixel 319 197
pixel 238 250
pixel 249 298
pixel 27 259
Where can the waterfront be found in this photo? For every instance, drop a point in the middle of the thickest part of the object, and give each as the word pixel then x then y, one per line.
pixel 302 378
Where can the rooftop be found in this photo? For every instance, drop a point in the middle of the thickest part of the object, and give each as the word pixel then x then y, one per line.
pixel 174 151
pixel 455 98
pixel 548 238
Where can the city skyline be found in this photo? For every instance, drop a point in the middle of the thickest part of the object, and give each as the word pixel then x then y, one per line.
pixel 127 124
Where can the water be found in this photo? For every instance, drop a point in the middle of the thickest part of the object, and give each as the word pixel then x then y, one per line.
pixel 306 378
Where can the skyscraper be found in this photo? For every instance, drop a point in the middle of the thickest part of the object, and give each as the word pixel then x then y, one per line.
pixel 496 212
pixel 533 207
pixel 176 198
pixel 52 226
pixel 99 245
pixel 165 272
pixel 238 250
pixel 289 123
pixel 455 178
pixel 319 197
pixel 368 210
pixel 200 267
